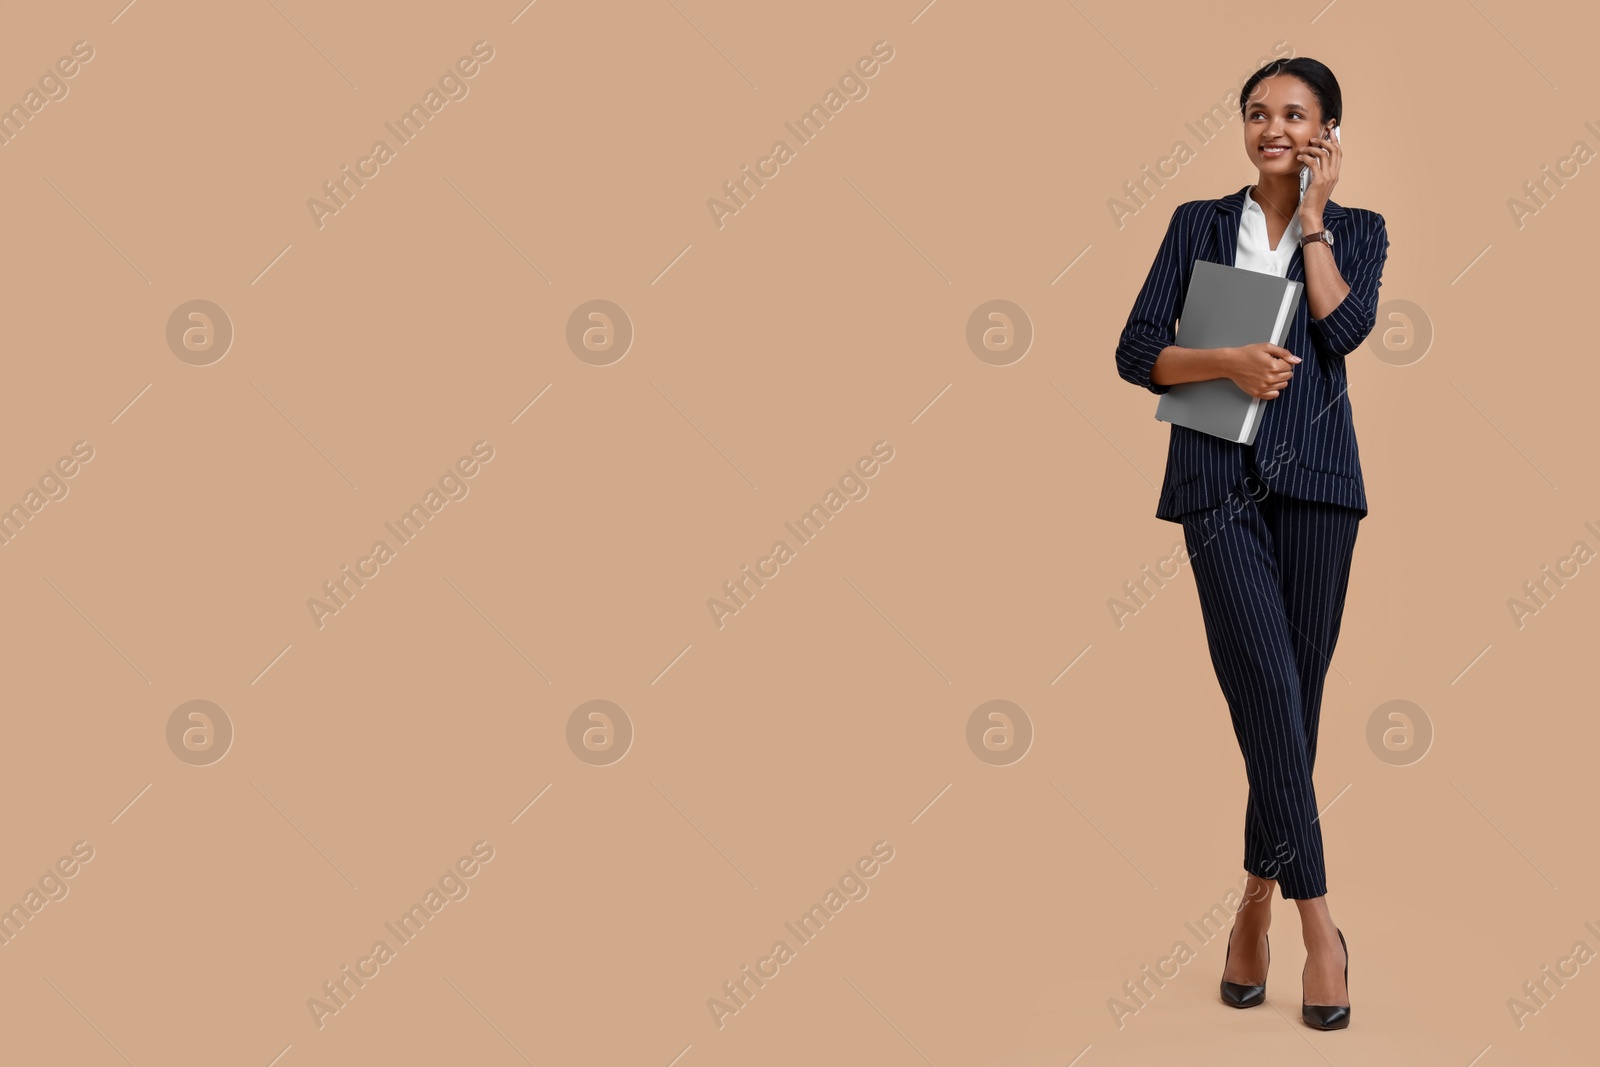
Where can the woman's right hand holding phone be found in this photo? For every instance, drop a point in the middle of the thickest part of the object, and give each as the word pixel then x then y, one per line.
pixel 1262 370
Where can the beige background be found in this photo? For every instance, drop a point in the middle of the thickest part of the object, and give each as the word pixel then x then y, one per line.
pixel 769 355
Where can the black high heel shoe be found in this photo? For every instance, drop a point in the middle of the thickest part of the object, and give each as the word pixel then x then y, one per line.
pixel 1237 994
pixel 1330 1016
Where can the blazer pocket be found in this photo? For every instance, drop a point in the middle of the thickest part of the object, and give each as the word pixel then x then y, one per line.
pixel 1340 458
pixel 1333 429
pixel 1328 466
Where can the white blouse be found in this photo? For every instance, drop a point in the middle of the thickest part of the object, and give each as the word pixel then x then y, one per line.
pixel 1254 253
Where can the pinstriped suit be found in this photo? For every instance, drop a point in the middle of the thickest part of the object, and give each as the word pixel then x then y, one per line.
pixel 1312 416
pixel 1270 541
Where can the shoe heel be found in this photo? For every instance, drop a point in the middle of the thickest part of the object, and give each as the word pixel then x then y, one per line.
pixel 1330 1016
pixel 1239 994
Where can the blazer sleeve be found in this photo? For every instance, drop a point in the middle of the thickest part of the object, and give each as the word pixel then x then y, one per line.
pixel 1347 325
pixel 1150 324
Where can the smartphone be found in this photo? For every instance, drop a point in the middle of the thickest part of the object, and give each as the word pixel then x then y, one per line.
pixel 1305 172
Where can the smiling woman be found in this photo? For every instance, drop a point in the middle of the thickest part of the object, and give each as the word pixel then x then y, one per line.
pixel 1272 573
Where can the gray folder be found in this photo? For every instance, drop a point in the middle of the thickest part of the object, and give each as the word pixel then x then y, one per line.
pixel 1226 307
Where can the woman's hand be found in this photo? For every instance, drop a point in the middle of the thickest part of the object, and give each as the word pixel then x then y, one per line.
pixel 1263 370
pixel 1323 155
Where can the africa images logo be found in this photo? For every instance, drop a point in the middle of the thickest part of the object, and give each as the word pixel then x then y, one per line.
pixel 852 88
pixel 337 992
pixel 453 87
pixel 452 487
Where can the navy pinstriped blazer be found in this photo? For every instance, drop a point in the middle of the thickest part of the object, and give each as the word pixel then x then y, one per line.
pixel 1306 445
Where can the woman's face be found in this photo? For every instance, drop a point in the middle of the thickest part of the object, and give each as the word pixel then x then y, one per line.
pixel 1280 119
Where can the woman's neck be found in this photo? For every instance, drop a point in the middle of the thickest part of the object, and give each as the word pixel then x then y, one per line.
pixel 1278 195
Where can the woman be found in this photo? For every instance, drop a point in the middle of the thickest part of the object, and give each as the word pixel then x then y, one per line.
pixel 1270 527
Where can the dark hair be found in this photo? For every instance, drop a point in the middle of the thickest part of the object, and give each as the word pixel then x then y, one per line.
pixel 1324 86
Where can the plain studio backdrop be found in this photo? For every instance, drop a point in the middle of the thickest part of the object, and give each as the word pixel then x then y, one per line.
pixel 651 450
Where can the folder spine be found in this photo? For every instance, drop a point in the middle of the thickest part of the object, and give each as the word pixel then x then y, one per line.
pixel 1245 431
pixel 1281 327
pixel 1226 305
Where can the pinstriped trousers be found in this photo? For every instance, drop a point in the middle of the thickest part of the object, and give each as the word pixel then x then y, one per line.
pixel 1271 572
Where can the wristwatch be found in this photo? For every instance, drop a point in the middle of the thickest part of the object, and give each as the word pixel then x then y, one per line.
pixel 1321 235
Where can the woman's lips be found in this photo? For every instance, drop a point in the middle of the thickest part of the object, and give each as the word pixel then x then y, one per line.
pixel 1273 152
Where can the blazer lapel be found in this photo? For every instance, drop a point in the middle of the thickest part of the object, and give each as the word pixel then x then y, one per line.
pixel 1229 208
pixel 1226 231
